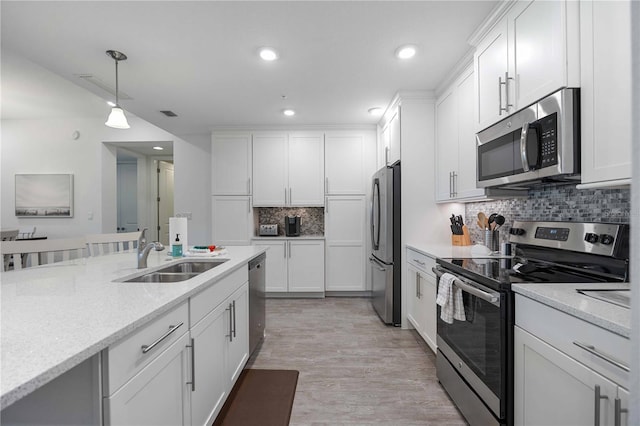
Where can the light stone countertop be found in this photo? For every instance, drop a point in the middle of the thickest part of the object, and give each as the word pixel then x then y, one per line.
pixel 56 316
pixel 565 298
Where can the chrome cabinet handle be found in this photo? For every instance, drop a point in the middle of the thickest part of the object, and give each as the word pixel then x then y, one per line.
pixel 455 181
pixel 450 185
pixel 172 328
pixel 597 397
pixel 285 196
pixel 617 421
pixel 230 335
pixel 500 83
pixel 249 186
pixel 289 250
pixel 419 262
pixel 523 146
pixel 234 318
pixel 290 197
pixel 506 87
pixel 604 356
pixel 417 284
pixel 326 185
pixel 386 155
pixel 193 365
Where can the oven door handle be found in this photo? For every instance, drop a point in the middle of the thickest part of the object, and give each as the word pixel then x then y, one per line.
pixel 491 298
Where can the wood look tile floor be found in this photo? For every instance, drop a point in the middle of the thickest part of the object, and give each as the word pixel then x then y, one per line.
pixel 354 370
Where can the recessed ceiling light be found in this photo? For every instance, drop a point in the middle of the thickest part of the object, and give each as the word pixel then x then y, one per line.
pixel 268 54
pixel 375 111
pixel 158 148
pixel 289 112
pixel 406 52
pixel 111 104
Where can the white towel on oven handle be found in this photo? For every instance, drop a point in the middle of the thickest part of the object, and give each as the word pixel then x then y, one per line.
pixel 450 299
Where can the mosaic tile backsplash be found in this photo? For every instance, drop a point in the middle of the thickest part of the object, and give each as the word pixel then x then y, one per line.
pixel 311 218
pixel 554 203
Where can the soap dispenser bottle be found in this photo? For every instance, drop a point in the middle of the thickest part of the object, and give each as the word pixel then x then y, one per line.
pixel 177 247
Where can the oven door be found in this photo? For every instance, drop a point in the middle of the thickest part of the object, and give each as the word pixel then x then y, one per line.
pixel 477 347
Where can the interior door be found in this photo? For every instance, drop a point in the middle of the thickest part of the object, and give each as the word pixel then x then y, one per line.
pixel 127 175
pixel 165 200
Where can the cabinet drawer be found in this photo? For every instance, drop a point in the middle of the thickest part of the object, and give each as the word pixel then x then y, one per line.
pixel 125 358
pixel 205 301
pixel 421 261
pixel 561 330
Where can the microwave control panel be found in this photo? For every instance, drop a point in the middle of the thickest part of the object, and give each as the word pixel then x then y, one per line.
pixel 549 140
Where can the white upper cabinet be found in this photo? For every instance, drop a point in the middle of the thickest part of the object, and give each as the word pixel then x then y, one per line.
pixel 605 93
pixel 393 129
pixel 345 154
pixel 456 142
pixel 491 65
pixel 288 169
pixel 270 185
pixel 531 52
pixel 231 164
pixel 231 220
pixel 306 169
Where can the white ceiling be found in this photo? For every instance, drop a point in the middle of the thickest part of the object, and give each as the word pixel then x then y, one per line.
pixel 199 58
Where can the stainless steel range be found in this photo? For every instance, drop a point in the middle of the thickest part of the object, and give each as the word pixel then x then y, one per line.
pixel 475 356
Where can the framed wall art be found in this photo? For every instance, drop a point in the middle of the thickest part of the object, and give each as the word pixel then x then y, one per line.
pixel 44 195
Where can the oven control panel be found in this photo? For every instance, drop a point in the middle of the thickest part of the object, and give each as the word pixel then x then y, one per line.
pixel 556 234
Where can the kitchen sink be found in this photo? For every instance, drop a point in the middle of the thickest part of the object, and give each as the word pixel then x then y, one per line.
pixel 618 297
pixel 177 272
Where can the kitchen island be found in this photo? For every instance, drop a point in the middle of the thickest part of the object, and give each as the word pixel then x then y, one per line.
pixel 57 316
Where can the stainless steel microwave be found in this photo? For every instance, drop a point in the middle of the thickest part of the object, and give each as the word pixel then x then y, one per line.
pixel 539 144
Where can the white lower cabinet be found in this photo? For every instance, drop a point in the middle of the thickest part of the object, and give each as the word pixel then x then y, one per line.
pixel 221 349
pixel 421 296
pixel 294 266
pixel 556 382
pixel 345 231
pixel 166 373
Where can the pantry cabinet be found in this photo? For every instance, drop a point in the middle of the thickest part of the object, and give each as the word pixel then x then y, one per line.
pixel 345 231
pixel 455 142
pixel 288 169
pixel 421 296
pixel 532 51
pixel 232 220
pixel 231 164
pixel 605 97
pixel 393 137
pixel 294 265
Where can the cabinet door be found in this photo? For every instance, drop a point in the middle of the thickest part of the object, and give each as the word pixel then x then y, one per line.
pixel 554 389
pixel 231 163
pixel 490 66
pixel 537 50
pixel 466 175
pixel 394 138
pixel 306 266
pixel 158 395
pixel 345 230
pixel 604 94
pixel 414 304
pixel 306 169
pixel 232 221
pixel 270 170
pixel 344 164
pixel 209 341
pixel 428 292
pixel 239 345
pixel 446 145
pixel 276 266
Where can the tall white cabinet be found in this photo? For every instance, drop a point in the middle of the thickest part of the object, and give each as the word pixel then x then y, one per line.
pixel 605 97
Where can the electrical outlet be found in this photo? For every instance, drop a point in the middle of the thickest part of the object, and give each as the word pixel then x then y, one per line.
pixel 188 215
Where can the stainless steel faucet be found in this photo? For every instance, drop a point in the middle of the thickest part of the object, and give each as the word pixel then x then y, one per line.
pixel 144 248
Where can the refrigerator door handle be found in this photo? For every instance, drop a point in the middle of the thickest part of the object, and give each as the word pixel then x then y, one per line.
pixel 375 227
pixel 379 265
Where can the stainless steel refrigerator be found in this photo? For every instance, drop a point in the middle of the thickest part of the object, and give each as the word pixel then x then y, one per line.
pixel 384 260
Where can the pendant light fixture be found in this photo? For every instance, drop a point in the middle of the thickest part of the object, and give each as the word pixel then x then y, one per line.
pixel 117 119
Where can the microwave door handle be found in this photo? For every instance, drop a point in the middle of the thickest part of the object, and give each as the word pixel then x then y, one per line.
pixel 523 146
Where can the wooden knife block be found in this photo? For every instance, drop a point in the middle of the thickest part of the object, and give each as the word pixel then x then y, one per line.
pixel 461 240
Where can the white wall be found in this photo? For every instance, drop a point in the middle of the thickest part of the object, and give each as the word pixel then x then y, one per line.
pixel 45 145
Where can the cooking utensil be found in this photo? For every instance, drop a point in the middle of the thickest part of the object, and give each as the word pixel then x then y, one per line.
pixel 482 220
pixel 499 221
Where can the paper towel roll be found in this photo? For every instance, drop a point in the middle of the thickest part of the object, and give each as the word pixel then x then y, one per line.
pixel 178 225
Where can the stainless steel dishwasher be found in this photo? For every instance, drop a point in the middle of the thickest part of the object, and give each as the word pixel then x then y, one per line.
pixel 257 268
